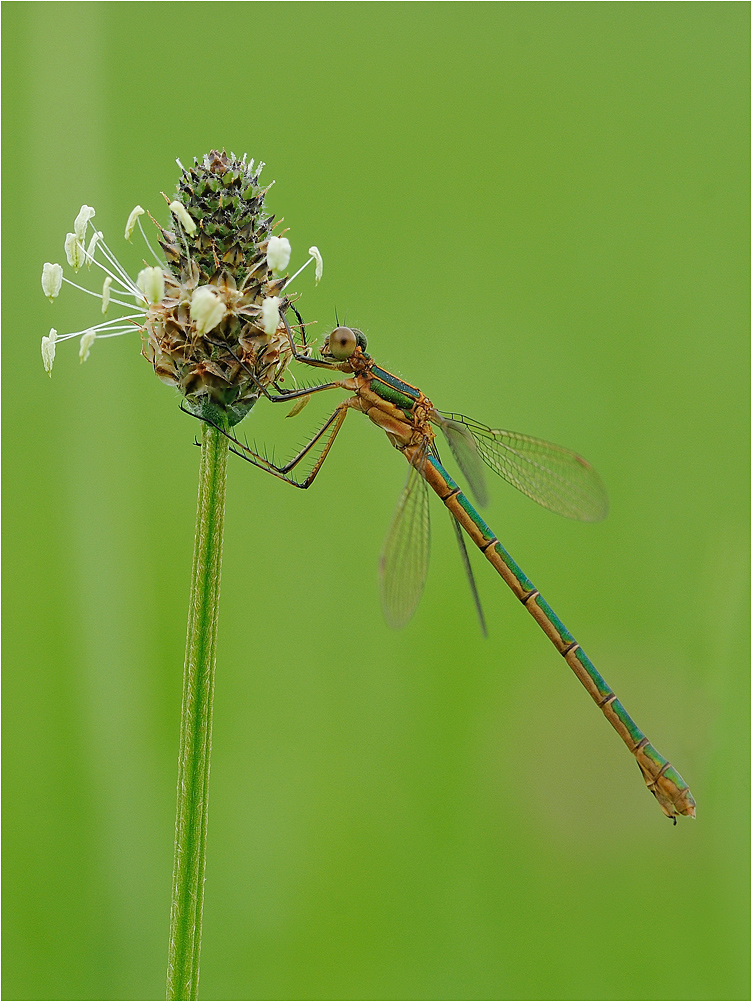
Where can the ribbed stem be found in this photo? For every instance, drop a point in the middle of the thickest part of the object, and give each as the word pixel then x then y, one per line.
pixel 195 723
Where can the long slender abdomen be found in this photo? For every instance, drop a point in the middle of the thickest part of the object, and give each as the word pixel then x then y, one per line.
pixel 663 781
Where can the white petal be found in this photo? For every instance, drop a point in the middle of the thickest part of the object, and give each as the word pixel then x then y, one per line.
pixel 180 211
pixel 48 351
pixel 316 255
pixel 74 251
pixel 270 313
pixel 92 244
pixel 207 309
pixel 278 253
pixel 52 279
pixel 106 293
pixel 151 282
pixel 82 221
pixel 131 224
pixel 87 340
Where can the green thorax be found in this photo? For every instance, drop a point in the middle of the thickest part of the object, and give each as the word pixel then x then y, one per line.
pixel 395 390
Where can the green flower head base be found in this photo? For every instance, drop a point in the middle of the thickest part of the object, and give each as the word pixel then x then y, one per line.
pixel 210 310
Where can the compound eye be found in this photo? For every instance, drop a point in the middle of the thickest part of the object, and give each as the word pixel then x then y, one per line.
pixel 342 343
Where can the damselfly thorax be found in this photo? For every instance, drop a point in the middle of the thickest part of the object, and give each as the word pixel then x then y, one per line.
pixel 399 409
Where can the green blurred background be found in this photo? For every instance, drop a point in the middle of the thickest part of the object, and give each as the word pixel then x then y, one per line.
pixel 538 213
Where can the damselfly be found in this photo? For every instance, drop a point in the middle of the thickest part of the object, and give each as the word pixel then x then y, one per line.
pixel 554 477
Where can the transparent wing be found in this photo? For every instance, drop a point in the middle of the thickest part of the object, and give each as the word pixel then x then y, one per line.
pixel 404 558
pixel 465 451
pixel 555 477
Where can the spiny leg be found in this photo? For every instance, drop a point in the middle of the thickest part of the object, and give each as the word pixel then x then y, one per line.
pixel 470 576
pixel 302 325
pixel 332 425
pixel 465 560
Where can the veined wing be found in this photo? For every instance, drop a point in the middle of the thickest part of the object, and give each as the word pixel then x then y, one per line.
pixel 465 451
pixel 555 477
pixel 404 559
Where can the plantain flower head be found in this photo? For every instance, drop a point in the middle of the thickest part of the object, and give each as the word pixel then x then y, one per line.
pixel 209 309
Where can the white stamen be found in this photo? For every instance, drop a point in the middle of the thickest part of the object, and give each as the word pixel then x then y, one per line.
pixel 131 224
pixel 157 258
pixel 52 279
pixel 106 293
pixel 180 211
pixel 82 221
pixel 117 332
pixel 207 309
pixel 278 253
pixel 48 351
pixel 122 277
pixel 270 314
pixel 316 255
pixel 74 251
pixel 98 295
pixel 151 282
pixel 289 281
pixel 87 340
pixel 110 326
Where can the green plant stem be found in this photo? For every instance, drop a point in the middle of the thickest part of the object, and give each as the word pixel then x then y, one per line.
pixel 196 722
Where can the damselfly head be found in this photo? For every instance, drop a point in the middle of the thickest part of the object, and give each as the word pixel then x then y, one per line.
pixel 342 342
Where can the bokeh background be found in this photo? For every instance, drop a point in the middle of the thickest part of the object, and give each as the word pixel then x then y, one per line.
pixel 538 213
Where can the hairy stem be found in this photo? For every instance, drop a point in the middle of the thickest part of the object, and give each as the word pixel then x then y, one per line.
pixel 196 723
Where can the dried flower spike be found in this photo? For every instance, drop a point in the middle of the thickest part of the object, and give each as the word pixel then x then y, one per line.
pixel 211 317
pixel 209 335
pixel 211 312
